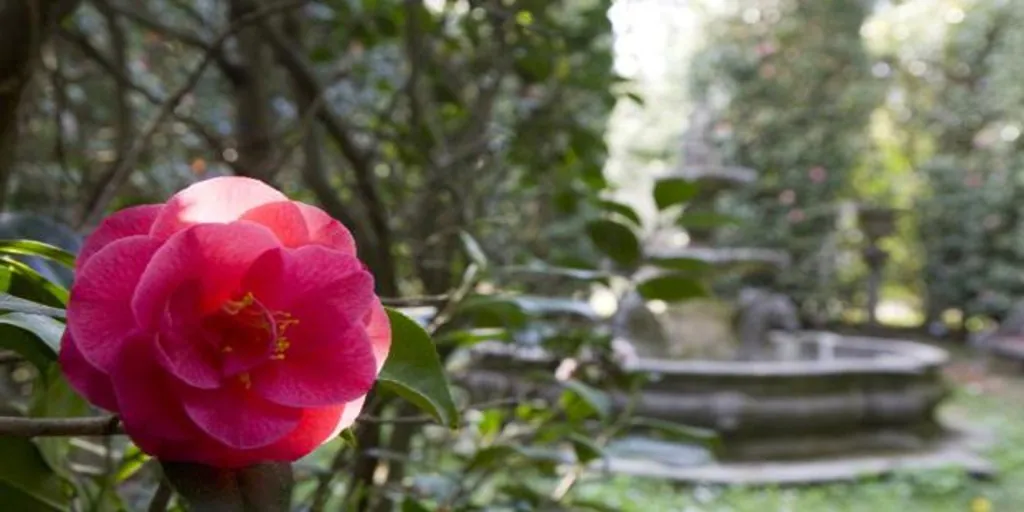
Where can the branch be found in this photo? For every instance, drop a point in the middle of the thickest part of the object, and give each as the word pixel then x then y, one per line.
pixel 305 79
pixel 162 497
pixel 231 70
pixel 123 170
pixel 313 166
pixel 55 427
pixel 91 52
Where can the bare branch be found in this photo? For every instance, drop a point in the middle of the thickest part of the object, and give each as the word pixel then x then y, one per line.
pixel 162 497
pixel 361 162
pixel 409 302
pixel 231 70
pixel 215 142
pixel 56 427
pixel 107 191
pixel 313 170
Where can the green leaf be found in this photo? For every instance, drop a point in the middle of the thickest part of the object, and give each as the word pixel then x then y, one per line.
pixel 33 248
pixel 704 220
pixel 260 488
pixel 473 250
pixel 413 370
pixel 636 98
pixel 596 402
pixel 596 506
pixel 622 209
pixel 672 191
pixel 615 240
pixel 27 283
pixel 34 337
pixel 53 397
pixel 585 448
pixel 689 265
pixel 9 302
pixel 671 288
pixel 411 505
pixel 583 274
pixel 505 455
pixel 677 432
pixel 132 461
pixel 490 456
pixel 25 478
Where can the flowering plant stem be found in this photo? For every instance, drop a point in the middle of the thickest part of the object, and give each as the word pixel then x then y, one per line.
pixel 56 427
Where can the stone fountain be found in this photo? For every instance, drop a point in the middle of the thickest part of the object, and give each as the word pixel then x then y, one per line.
pixel 789 405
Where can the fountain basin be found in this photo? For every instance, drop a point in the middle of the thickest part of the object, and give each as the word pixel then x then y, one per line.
pixel 823 395
pixel 816 395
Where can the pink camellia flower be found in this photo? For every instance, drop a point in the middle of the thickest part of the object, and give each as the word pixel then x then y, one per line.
pixel 228 326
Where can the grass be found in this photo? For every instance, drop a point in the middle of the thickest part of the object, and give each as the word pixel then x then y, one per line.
pixel 994 403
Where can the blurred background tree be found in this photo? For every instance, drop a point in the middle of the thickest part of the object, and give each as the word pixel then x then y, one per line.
pixel 792 92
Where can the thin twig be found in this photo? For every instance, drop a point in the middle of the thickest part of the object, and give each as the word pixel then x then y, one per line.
pixel 109 189
pixel 215 143
pixel 323 486
pixel 56 427
pixel 162 498
pixel 455 298
pixel 231 70
pixel 410 302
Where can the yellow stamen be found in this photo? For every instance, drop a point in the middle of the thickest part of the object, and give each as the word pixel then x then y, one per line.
pixel 246 380
pixel 233 307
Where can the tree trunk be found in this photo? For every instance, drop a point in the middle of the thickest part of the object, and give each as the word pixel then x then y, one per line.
pixel 24 26
pixel 253 118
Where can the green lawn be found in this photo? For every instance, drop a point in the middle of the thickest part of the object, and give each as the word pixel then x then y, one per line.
pixel 995 403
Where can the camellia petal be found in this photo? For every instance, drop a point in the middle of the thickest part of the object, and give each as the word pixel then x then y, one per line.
pixel 85 378
pixel 284 218
pixel 216 255
pixel 325 364
pixel 325 230
pixel 131 221
pixel 239 418
pixel 336 282
pixel 182 345
pixel 149 402
pixel 99 309
pixel 315 427
pixel 216 200
pixel 378 328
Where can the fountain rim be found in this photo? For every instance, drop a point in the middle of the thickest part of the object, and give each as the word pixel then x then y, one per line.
pixel 896 357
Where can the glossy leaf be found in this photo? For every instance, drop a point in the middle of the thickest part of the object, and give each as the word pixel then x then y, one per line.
pixel 26 478
pixel 671 288
pixel 596 402
pixel 676 431
pixel 615 240
pixel 596 506
pixel 673 191
pixel 27 283
pixel 34 337
pixel 9 302
pixel 622 209
pixel 260 488
pixel 414 372
pixel 54 398
pixel 582 274
pixel 473 250
pixel 33 248
pixel 586 449
pixel 704 220
pixel 688 265
pixel 411 505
